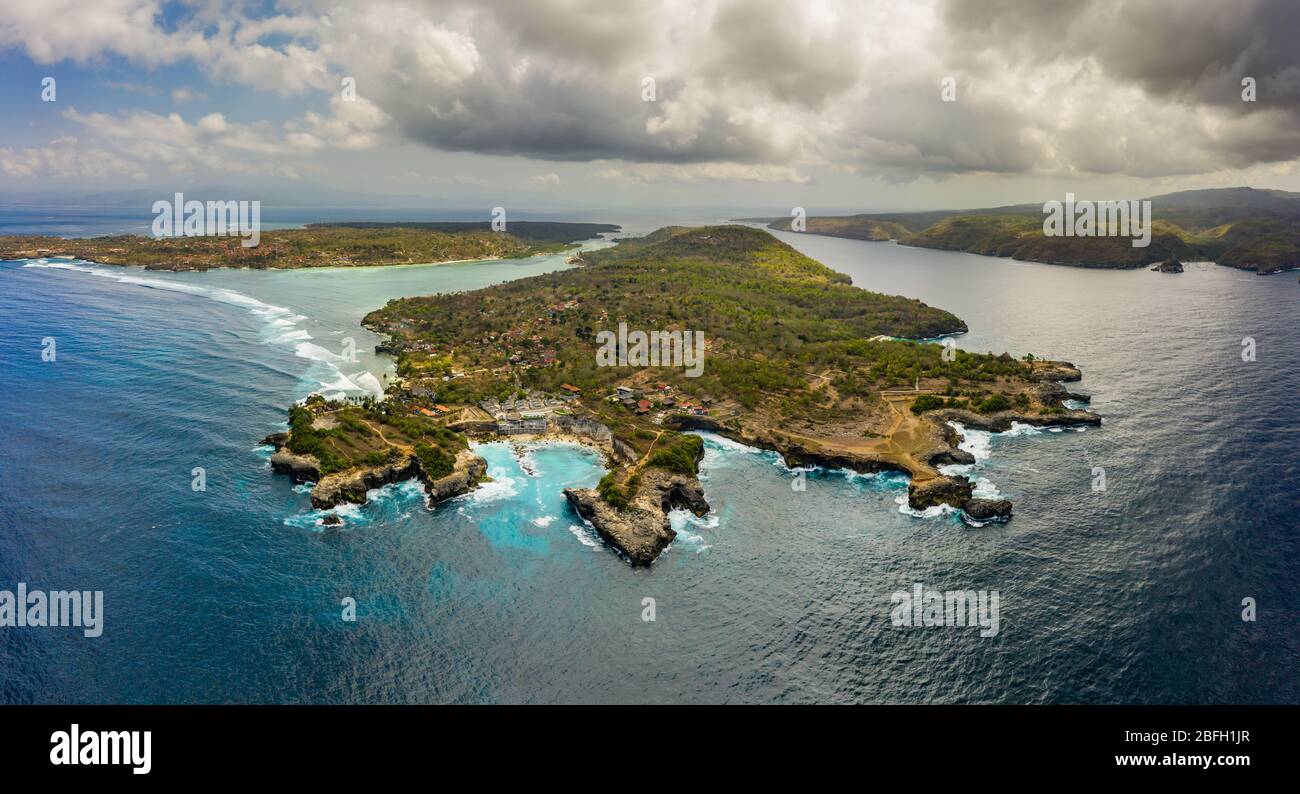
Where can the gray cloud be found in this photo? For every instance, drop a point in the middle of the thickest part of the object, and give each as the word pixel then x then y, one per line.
pixel 1187 58
pixel 1045 87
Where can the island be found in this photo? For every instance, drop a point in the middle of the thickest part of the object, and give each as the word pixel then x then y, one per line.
pixel 1244 228
pixel 351 244
pixel 795 359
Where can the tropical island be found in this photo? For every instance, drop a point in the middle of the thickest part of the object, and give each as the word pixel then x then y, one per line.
pixel 352 244
pixel 796 360
pixel 1243 228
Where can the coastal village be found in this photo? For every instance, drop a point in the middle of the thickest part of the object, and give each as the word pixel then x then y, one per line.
pixel 534 412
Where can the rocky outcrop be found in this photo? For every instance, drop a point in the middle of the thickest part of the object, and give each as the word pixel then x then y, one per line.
pixel 988 509
pixel 954 491
pixel 795 452
pixel 350 486
pixel 469 472
pixel 641 531
pixel 1054 370
pixel 640 535
pixel 1053 394
pixel 302 468
pixel 1170 265
pixel 1001 421
pixel 682 492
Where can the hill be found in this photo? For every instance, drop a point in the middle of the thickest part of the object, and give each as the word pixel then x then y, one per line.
pixel 323 245
pixel 1238 227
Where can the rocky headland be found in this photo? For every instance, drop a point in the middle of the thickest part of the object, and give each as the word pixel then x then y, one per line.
pixel 452 476
pixel 641 530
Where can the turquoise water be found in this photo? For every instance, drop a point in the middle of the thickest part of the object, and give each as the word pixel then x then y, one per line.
pixel 779 594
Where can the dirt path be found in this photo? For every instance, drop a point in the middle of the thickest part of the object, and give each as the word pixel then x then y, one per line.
pixel 380 433
pixel 907 436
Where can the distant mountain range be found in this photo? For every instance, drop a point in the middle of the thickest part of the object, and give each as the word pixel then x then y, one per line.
pixel 1239 227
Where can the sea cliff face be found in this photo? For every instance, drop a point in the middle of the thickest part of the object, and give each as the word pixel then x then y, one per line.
pixel 351 486
pixel 939 447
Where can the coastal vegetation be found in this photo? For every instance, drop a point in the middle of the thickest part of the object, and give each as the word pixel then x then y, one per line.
pixel 1242 228
pixel 323 245
pixel 342 435
pixel 796 359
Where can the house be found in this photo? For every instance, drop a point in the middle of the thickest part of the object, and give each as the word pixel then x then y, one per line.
pixel 624 392
pixel 442 409
pixel 668 402
pixel 510 424
pixel 570 388
pixel 642 406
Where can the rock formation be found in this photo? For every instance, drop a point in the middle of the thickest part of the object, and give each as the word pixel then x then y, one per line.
pixel 641 530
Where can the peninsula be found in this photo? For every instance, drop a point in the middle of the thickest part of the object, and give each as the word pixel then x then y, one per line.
pixel 1243 228
pixel 352 244
pixel 797 360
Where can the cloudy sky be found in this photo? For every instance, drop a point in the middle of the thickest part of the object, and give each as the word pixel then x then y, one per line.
pixel 756 103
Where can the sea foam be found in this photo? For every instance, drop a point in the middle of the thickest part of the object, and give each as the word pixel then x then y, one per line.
pixel 283 325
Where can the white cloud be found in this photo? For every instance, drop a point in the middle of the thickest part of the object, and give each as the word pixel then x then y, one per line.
pixel 551 179
pixel 704 172
pixel 747 90
pixel 65 157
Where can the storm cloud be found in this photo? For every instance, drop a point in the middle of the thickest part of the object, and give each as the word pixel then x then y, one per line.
pixel 1149 88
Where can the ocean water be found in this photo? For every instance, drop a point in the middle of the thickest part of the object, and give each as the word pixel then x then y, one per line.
pixel 234 594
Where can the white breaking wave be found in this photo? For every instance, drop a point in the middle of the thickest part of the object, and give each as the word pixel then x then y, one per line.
pixel 977 442
pixel 929 512
pixel 586 535
pixel 684 521
pixel 282 323
pixel 501 486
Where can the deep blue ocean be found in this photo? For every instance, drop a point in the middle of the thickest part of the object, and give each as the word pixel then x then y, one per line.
pixel 234 594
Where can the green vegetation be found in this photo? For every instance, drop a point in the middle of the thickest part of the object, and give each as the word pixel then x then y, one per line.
pixel 616 495
pixel 533 231
pixel 327 245
pixel 927 402
pixel 855 228
pixel 985 405
pixel 343 435
pixel 1237 227
pixel 436 461
pixel 680 454
pixel 785 338
pixel 769 314
pixel 993 403
pixel 306 440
